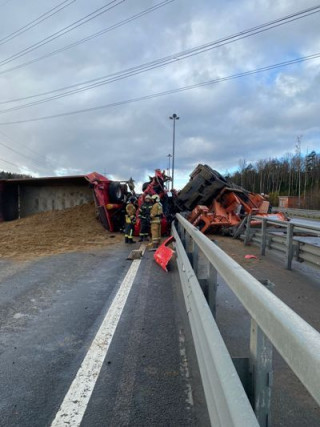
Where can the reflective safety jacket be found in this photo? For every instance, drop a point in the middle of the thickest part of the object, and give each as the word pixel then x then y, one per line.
pixel 145 211
pixel 156 213
pixel 130 213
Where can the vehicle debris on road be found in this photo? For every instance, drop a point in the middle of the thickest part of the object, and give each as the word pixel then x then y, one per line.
pixel 215 204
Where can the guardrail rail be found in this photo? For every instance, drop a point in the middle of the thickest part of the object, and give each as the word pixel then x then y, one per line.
pixel 296 241
pixel 305 213
pixel 273 324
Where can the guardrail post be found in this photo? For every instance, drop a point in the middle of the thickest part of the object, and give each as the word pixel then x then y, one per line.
pixel 289 246
pixel 269 241
pixel 261 368
pixel 195 258
pixel 247 233
pixel 188 247
pixel 207 277
pixel 263 236
pixel 182 234
pixel 178 227
pixel 212 289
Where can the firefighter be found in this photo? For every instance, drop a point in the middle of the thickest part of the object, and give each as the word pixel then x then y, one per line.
pixel 144 216
pixel 155 219
pixel 130 220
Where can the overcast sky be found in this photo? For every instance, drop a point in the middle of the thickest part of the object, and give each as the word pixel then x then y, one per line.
pixel 143 47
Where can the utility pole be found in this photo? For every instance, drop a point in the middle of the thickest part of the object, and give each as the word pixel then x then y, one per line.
pixel 174 117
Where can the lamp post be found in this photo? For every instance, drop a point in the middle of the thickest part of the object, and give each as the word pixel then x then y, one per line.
pixel 169 156
pixel 174 117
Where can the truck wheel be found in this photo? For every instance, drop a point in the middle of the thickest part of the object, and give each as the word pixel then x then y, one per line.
pixel 145 185
pixel 102 217
pixel 115 192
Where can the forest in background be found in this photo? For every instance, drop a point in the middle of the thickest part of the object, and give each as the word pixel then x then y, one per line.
pixel 292 175
pixel 9 175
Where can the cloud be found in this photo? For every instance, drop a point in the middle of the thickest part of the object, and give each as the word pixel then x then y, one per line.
pixel 252 118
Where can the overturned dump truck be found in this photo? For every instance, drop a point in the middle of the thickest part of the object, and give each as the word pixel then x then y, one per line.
pixel 212 203
pixel 209 201
pixel 110 198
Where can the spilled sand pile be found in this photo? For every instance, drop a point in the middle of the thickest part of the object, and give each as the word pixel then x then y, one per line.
pixel 54 232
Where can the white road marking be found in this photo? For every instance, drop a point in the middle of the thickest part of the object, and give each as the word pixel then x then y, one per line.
pixel 77 398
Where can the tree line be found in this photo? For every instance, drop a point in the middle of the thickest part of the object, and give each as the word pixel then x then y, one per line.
pixel 291 175
pixel 10 175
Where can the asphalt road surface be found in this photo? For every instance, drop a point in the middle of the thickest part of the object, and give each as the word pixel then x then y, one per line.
pixel 142 370
pixel 51 310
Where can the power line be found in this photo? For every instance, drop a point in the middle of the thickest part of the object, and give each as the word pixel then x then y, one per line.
pixel 171 91
pixel 29 149
pixel 10 163
pixel 63 31
pixel 111 78
pixel 32 159
pixel 36 21
pixel 92 36
pixel 20 154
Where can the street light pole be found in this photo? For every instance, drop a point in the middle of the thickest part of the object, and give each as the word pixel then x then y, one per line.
pixel 174 117
pixel 169 156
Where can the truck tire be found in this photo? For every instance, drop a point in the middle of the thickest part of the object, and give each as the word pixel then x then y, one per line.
pixel 145 185
pixel 115 192
pixel 102 218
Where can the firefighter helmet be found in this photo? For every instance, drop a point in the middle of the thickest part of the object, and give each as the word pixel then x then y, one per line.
pixel 156 198
pixel 147 197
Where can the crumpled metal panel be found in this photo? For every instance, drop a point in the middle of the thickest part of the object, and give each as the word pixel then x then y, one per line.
pixel 164 254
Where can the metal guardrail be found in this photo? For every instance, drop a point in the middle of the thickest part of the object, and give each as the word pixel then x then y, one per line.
pixel 296 341
pixel 227 402
pixel 292 246
pixel 306 213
